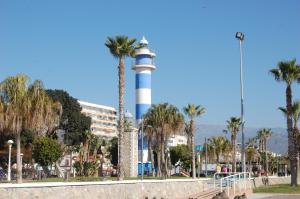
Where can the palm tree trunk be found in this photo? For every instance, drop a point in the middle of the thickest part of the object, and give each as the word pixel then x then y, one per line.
pixel 193 156
pixel 292 152
pixel 163 161
pixel 150 154
pixel 267 164
pixel 234 155
pixel 298 169
pixel 296 134
pixel 19 164
pixel 121 118
pixel 158 173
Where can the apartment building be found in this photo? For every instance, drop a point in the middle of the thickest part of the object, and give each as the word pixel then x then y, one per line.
pixel 104 118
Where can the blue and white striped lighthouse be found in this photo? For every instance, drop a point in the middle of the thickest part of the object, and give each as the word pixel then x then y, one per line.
pixel 143 67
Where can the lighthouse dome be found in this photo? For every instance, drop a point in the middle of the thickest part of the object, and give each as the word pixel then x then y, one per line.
pixel 144 41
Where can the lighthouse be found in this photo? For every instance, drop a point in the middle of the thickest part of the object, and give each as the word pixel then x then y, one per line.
pixel 143 67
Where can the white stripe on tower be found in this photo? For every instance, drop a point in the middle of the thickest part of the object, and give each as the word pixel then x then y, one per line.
pixel 143 96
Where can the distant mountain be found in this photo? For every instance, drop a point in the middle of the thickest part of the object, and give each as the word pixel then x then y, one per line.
pixel 278 142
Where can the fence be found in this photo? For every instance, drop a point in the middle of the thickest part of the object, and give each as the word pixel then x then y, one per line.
pixel 233 182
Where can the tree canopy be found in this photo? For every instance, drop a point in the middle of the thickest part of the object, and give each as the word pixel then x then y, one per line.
pixel 181 153
pixel 46 151
pixel 72 120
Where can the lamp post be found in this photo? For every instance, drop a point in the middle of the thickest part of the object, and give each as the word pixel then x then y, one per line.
pixel 240 36
pixel 9 142
pixel 205 158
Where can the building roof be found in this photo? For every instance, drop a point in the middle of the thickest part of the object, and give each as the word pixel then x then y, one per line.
pixel 96 105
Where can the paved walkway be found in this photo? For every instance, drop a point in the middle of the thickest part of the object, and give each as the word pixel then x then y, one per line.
pixel 273 196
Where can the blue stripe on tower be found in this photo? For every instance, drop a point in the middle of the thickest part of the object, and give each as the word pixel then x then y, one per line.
pixel 142 80
pixel 141 109
pixel 143 59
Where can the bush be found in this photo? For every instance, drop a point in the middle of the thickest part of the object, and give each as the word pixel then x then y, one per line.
pixel 46 151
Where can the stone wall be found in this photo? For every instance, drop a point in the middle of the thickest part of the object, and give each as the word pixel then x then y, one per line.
pixel 104 190
pixel 130 153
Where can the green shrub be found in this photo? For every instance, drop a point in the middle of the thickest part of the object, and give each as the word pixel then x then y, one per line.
pixel 46 151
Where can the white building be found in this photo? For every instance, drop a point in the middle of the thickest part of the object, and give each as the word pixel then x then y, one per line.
pixel 104 119
pixel 175 140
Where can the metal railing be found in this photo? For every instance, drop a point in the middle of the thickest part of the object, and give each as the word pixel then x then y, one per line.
pixel 234 181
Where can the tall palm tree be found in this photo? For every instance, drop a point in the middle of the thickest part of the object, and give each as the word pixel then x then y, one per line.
pixel 25 106
pixel 289 72
pixel 192 111
pixel 295 116
pixel 121 47
pixel 233 125
pixel 165 119
pixel 263 136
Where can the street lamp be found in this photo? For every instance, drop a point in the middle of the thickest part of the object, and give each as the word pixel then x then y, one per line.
pixel 9 142
pixel 205 158
pixel 240 36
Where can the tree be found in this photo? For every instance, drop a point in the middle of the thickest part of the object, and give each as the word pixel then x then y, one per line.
pixel 219 145
pixel 233 125
pixel 46 151
pixel 24 106
pixel 72 121
pixel 121 47
pixel 165 119
pixel 181 153
pixel 192 111
pixel 113 151
pixel 251 154
pixel 295 116
pixel 263 136
pixel 289 72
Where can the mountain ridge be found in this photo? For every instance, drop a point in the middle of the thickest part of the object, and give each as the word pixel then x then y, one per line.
pixel 277 143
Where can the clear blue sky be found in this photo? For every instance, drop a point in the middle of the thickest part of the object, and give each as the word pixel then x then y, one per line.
pixel 62 43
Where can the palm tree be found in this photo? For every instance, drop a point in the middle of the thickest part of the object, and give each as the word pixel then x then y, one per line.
pixel 295 116
pixel 252 142
pixel 289 72
pixel 219 144
pixel 149 131
pixel 25 106
pixel 263 136
pixel 121 47
pixel 233 125
pixel 227 150
pixel 192 111
pixel 165 119
pixel 251 154
pixel 211 155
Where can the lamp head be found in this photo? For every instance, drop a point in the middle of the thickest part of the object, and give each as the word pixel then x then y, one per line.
pixel 10 142
pixel 240 36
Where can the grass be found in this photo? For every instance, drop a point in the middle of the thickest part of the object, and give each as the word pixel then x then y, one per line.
pixel 279 188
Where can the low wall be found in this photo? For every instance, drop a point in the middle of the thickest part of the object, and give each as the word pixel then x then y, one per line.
pixel 103 190
pixel 258 182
